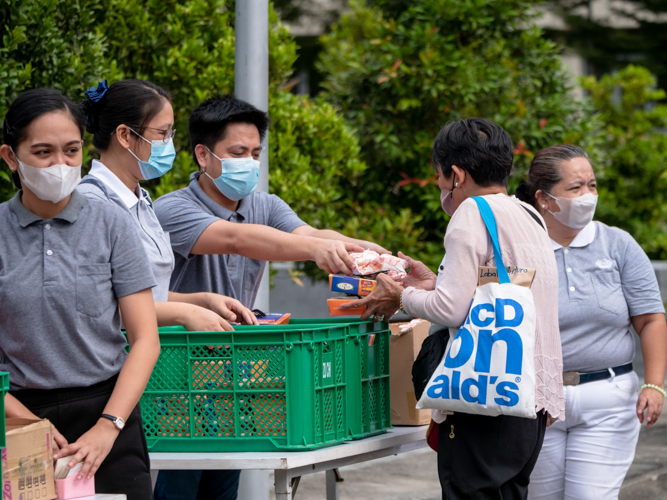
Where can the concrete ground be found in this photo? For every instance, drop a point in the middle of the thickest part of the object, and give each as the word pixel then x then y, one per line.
pixel 414 476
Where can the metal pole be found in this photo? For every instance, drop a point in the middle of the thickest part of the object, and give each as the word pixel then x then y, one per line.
pixel 251 84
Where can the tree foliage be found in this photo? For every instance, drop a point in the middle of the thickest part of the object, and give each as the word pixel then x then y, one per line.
pixel 400 70
pixel 632 170
pixel 187 47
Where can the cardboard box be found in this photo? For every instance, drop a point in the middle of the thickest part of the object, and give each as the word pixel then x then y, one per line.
pixel 274 319
pixel 351 285
pixel 404 347
pixel 27 461
pixel 334 308
pixel 73 488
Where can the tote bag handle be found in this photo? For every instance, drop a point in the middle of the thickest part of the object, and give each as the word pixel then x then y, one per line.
pixel 490 222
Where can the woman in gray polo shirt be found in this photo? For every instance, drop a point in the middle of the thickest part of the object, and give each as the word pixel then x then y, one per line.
pixel 67 273
pixel 606 287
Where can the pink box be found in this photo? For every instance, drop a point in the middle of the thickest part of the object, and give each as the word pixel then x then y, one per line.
pixel 71 488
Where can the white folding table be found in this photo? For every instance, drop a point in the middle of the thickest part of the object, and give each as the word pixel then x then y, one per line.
pixel 288 467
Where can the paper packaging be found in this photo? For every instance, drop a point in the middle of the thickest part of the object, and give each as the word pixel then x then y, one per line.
pixel 351 285
pixel 71 488
pixel 27 461
pixel 67 486
pixel 403 350
pixel 274 319
pixel 334 308
pixel 521 276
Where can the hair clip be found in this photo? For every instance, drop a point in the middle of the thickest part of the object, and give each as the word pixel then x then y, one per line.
pixel 96 94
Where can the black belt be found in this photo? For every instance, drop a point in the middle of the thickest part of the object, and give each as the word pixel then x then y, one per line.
pixel 576 378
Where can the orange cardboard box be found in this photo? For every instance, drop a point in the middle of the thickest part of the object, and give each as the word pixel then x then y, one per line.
pixel 27 461
pixel 404 347
pixel 334 308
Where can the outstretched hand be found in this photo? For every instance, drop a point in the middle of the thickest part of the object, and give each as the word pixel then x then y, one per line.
pixel 382 303
pixel 332 256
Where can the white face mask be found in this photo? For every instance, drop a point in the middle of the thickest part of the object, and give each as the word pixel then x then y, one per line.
pixel 575 212
pixel 53 184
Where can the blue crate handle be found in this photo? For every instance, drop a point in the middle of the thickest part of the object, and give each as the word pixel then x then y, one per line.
pixel 490 222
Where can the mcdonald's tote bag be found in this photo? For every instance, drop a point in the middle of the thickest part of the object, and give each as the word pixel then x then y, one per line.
pixel 488 368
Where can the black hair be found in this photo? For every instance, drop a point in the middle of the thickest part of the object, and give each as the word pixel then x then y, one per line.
pixel 478 146
pixel 208 121
pixel 29 106
pixel 127 102
pixel 545 170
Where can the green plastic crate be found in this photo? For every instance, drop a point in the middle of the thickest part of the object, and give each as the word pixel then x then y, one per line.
pixel 369 403
pixel 259 388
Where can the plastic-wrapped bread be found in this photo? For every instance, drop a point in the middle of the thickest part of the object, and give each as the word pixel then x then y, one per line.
pixel 370 262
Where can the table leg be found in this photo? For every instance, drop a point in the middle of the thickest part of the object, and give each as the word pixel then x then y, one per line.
pixel 283 485
pixel 333 492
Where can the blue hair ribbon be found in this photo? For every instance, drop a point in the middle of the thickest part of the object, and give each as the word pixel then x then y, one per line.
pixel 96 94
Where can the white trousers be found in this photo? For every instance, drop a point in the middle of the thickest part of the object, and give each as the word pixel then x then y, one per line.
pixel 587 455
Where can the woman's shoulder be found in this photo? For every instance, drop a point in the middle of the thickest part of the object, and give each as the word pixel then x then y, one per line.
pixel 103 211
pixel 613 235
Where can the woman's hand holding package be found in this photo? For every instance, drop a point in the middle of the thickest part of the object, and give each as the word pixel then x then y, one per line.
pixel 91 448
pixel 383 302
pixel 59 441
pixel 230 309
pixel 420 276
pixel 650 401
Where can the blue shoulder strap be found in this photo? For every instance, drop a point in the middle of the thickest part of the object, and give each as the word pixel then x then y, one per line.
pixel 490 222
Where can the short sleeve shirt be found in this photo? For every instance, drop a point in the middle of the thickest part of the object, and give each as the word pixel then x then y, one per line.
pixel 103 184
pixel 186 213
pixel 605 279
pixel 60 280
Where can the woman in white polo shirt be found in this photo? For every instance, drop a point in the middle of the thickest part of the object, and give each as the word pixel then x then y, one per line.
pixel 606 287
pixel 132 126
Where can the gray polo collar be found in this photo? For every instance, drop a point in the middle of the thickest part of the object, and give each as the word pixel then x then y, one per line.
pixel 218 210
pixel 70 213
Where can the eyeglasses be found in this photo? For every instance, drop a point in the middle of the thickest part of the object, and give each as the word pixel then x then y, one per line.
pixel 167 134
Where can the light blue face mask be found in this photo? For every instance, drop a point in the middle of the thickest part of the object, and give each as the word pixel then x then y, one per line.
pixel 239 177
pixel 161 159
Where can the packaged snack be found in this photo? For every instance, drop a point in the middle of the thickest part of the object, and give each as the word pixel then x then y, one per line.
pixel 351 285
pixel 334 308
pixel 370 263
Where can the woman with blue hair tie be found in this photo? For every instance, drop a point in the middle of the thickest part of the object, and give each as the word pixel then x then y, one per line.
pixel 132 126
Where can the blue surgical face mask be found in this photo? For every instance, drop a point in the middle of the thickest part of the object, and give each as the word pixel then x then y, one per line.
pixel 238 178
pixel 161 159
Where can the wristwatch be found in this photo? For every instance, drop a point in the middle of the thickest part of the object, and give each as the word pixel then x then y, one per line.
pixel 117 421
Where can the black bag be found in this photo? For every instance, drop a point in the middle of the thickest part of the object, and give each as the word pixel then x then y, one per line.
pixel 430 354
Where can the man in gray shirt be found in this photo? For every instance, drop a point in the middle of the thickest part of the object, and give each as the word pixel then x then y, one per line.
pixel 213 255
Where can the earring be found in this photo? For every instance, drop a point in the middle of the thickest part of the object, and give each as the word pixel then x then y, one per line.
pixel 544 206
pixel 456 184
